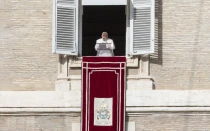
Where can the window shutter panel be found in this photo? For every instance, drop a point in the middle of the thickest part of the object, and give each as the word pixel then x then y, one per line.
pixel 142 26
pixel 65 36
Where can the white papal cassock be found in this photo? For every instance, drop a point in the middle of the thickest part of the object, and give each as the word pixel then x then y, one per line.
pixel 110 45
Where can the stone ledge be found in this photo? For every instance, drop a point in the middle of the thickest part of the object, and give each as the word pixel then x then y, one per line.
pixel 76 62
pixel 78 77
pixel 129 110
pixel 134 82
pixel 134 98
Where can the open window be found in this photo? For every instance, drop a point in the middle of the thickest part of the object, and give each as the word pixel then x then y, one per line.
pixel 77 27
pixel 97 19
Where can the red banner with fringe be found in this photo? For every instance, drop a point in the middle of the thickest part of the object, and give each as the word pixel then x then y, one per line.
pixel 103 93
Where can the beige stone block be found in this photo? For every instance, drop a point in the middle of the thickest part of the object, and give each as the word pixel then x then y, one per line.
pixel 62 85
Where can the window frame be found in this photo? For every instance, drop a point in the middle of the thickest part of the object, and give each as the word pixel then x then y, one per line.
pixel 79 26
pixel 127 36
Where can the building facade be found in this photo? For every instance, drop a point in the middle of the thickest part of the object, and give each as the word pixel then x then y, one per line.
pixel 167 81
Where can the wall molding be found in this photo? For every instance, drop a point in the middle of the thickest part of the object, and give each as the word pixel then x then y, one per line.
pixel 130 111
pixel 133 82
pixel 132 77
pixel 76 62
pixel 136 101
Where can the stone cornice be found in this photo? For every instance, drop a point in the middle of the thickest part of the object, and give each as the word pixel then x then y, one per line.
pixel 134 98
pixel 76 62
pixel 130 111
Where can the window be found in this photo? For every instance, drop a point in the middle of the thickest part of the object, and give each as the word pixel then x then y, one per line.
pixel 75 27
pixel 97 19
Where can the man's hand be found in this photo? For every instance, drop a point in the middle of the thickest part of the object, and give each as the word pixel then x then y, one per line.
pixel 108 46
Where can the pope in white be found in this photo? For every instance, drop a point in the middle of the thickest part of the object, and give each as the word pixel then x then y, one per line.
pixel 109 44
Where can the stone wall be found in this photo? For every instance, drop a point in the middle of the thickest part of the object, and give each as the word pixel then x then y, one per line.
pixel 143 122
pixel 181 59
pixel 40 122
pixel 172 122
pixel 26 59
pixel 182 51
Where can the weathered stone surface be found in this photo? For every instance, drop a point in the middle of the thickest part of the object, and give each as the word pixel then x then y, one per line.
pixel 181 60
pixel 26 59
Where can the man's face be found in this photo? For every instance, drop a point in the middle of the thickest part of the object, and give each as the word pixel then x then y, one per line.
pixel 104 36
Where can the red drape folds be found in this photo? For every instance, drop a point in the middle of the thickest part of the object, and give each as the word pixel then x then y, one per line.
pixel 103 77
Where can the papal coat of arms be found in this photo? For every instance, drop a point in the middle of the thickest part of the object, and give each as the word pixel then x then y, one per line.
pixel 103 111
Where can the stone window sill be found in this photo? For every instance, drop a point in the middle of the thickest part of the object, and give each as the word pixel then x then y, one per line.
pixel 76 62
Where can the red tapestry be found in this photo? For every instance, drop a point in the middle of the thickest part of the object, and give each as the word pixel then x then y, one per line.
pixel 103 93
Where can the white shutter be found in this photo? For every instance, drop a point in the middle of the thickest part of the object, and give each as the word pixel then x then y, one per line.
pixel 142 27
pixel 65 36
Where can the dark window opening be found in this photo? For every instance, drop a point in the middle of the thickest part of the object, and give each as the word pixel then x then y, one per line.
pixel 98 19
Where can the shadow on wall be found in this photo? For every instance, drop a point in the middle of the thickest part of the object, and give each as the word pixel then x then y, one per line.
pixel 156 58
